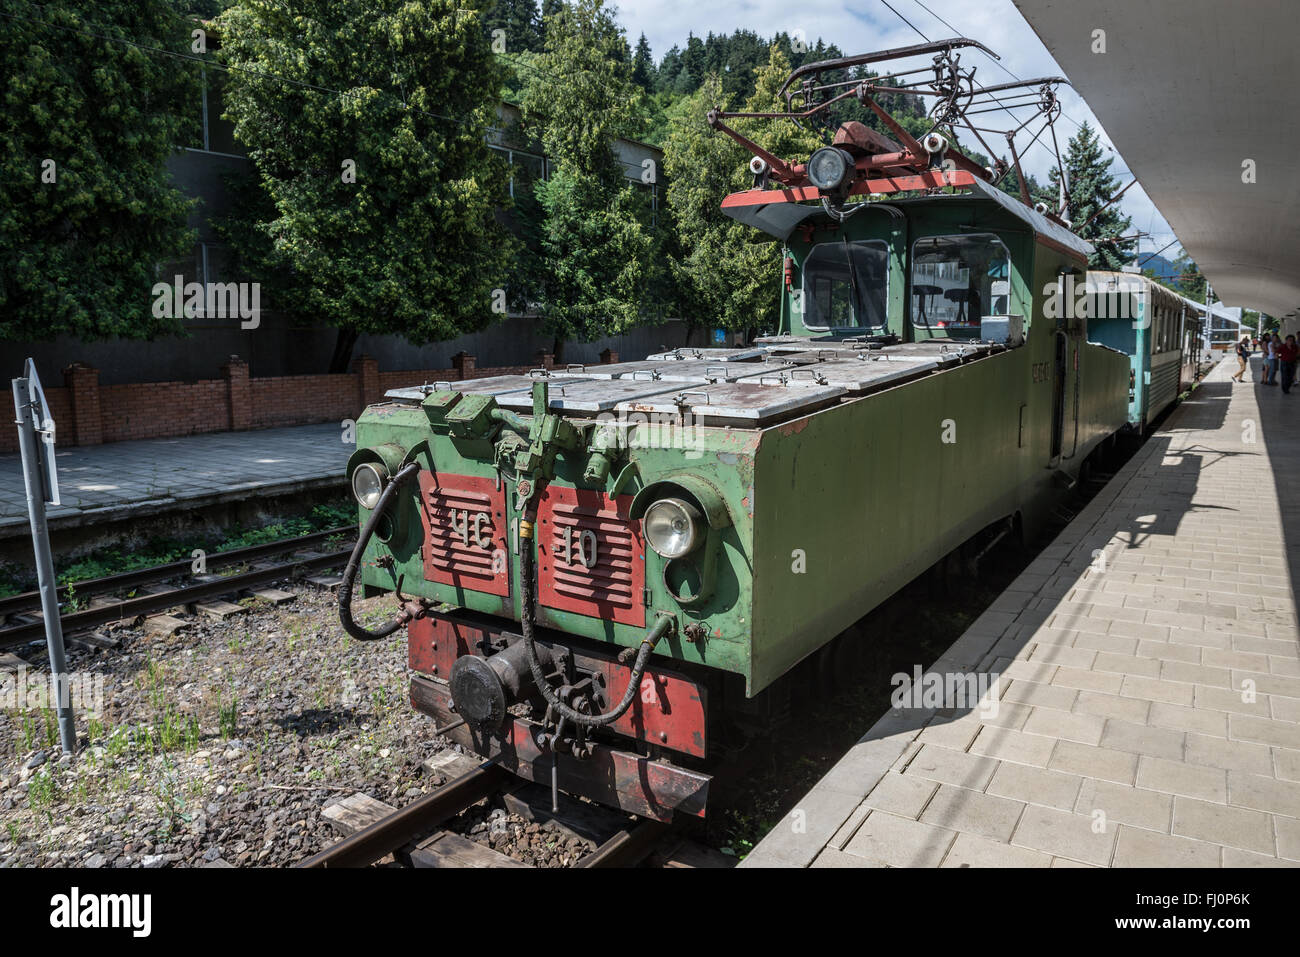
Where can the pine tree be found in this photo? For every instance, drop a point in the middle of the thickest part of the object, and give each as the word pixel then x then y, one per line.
pixel 643 66
pixel 669 67
pixel 521 22
pixel 1090 186
pixel 693 64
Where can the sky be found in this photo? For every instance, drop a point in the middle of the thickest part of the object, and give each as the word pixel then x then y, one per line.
pixel 862 26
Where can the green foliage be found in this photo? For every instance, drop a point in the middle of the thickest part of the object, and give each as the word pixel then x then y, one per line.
pixel 79 255
pixel 1090 186
pixel 596 250
pixel 578 96
pixel 41 792
pixel 1186 280
pixel 780 137
pixel 726 272
pixel 643 66
pixel 1159 280
pixel 169 730
pixel 228 715
pixel 414 245
pixel 1190 282
pixel 1252 320
pixel 521 21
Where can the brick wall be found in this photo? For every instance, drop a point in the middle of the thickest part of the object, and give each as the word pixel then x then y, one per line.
pixel 300 399
pixel 88 413
pixel 155 409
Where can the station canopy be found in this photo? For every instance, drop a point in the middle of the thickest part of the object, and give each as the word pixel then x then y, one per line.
pixel 1188 92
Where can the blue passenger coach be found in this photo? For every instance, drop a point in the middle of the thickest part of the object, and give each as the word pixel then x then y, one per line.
pixel 1156 327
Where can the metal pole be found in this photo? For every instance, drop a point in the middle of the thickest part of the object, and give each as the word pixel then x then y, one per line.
pixel 1209 320
pixel 44 564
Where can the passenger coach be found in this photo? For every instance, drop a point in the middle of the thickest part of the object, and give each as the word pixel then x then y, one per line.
pixel 1158 329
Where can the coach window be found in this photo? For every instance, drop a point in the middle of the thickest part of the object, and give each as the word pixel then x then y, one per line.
pixel 957 281
pixel 846 286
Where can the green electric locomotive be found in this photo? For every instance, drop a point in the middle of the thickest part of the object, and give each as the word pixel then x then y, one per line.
pixel 595 566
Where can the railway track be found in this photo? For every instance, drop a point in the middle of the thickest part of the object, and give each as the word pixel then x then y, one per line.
pixel 23 621
pixel 415 835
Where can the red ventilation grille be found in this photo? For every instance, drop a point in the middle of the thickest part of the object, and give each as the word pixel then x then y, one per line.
pixel 465 533
pixel 590 555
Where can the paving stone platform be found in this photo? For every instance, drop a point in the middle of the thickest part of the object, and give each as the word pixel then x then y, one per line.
pixel 106 482
pixel 1146 710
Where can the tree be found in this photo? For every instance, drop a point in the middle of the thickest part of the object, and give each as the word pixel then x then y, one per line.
pixel 728 273
pixel 1089 187
pixel 724 277
pixel 1188 278
pixel 88 212
pixel 382 199
pixel 669 67
pixel 693 62
pixel 643 66
pixel 577 100
pixel 1162 280
pixel 520 21
pixel 781 137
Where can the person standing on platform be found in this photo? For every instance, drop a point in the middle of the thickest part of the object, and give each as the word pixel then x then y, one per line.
pixel 1287 353
pixel 1268 353
pixel 1243 357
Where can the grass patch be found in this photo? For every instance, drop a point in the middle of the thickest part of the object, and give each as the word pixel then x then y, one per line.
pixel 228 716
pixel 161 551
pixel 41 791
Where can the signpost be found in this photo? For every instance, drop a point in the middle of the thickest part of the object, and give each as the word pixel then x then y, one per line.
pixel 36 442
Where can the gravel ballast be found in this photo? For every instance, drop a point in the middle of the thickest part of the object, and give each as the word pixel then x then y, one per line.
pixel 220 742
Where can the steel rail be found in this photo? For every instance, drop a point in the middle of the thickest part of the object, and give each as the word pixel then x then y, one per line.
pixel 16 604
pixel 187 594
pixel 628 846
pixel 420 816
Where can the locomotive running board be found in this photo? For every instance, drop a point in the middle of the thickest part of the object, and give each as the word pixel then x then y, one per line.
pixel 615 778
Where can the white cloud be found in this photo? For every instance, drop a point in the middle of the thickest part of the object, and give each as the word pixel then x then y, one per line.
pixel 866 25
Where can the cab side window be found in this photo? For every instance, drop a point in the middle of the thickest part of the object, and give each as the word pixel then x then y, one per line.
pixel 957 281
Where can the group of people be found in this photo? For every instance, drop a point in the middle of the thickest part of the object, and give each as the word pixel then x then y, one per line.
pixel 1278 354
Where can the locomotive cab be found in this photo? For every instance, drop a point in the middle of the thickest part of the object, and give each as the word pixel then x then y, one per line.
pixel 913 274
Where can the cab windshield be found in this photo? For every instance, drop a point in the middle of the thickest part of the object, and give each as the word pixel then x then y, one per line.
pixel 958 281
pixel 846 286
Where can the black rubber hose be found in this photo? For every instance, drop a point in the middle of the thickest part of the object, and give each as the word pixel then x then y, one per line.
pixel 539 676
pixel 354 562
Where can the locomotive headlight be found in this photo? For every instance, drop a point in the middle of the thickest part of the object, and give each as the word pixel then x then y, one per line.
pixel 672 527
pixel 828 169
pixel 368 480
